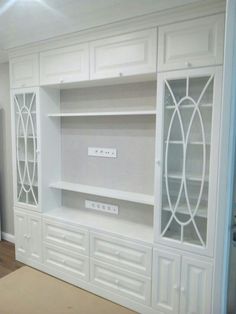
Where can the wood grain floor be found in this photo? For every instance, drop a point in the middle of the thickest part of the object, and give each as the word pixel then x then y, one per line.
pixel 7 259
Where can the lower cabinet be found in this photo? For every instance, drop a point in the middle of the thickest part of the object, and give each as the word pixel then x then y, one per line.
pixel 181 284
pixel 28 236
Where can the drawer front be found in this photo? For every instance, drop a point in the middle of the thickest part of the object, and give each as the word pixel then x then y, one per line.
pixel 133 257
pixel 66 236
pixel 64 65
pixel 122 282
pixel 24 71
pixel 66 261
pixel 126 55
pixel 191 44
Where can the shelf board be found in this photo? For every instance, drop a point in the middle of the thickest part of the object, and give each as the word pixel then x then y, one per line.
pixel 104 192
pixel 29 160
pixel 28 137
pixel 103 114
pixel 190 142
pixel 202 212
pixel 189 106
pixel 102 222
pixel 189 177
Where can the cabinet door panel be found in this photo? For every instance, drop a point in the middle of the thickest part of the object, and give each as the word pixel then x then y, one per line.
pixel 129 54
pixel 122 282
pixel 64 65
pixel 166 281
pixel 35 238
pixel 121 253
pixel 194 43
pixel 21 229
pixel 196 285
pixel 186 174
pixel 24 71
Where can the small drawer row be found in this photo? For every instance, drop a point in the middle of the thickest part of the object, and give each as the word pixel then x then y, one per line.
pixel 115 251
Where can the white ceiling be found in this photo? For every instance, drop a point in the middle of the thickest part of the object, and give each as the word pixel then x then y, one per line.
pixel 27 21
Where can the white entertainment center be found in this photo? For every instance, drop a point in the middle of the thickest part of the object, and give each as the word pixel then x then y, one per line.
pixel 116 156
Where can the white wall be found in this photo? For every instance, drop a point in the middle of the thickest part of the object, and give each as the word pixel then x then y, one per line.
pixel 6 192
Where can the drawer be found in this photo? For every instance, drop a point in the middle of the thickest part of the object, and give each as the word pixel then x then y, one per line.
pixel 124 55
pixel 193 43
pixel 128 255
pixel 66 236
pixel 124 283
pixel 66 261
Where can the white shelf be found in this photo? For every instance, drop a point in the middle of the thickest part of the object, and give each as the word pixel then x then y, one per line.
pixel 105 223
pixel 103 114
pixel 201 212
pixel 190 106
pixel 190 177
pixel 190 142
pixel 104 192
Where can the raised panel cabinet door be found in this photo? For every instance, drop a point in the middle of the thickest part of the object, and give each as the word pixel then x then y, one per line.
pixel 187 158
pixel 196 285
pixel 193 43
pixel 21 233
pixel 166 281
pixel 25 146
pixel 132 256
pixel 124 55
pixel 24 71
pixel 35 237
pixel 64 65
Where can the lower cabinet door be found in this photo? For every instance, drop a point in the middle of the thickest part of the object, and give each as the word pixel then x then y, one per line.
pixel 21 241
pixel 35 238
pixel 166 281
pixel 119 281
pixel 66 261
pixel 196 285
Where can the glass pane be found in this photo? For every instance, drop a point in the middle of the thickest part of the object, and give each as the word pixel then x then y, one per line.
pixel 187 136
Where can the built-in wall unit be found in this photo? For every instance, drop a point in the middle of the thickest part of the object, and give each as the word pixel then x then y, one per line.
pixel 116 157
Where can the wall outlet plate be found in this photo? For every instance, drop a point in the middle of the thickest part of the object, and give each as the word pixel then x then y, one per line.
pixel 103 207
pixel 102 152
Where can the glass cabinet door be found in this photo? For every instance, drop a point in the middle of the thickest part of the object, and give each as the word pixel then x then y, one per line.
pixel 26 142
pixel 187 114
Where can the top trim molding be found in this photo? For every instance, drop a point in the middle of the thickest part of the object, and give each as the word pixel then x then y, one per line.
pixel 170 16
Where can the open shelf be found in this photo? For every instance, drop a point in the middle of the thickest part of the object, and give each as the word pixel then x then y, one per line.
pixel 103 114
pixel 190 142
pixel 107 223
pixel 104 192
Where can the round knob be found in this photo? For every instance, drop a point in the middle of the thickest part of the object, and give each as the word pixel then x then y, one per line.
pixel 117 253
pixel 37 151
pixel 61 81
pixel 63 237
pixel 28 237
pixel 176 287
pixel 188 64
pixel 182 289
pixel 117 281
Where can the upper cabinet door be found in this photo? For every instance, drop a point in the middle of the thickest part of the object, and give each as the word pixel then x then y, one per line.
pixel 24 71
pixel 166 281
pixel 64 65
pixel 194 43
pixel 196 285
pixel 124 55
pixel 189 108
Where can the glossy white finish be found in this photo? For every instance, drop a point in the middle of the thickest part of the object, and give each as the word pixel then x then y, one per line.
pixel 127 284
pixel 124 55
pixel 166 281
pixel 101 114
pixel 66 236
pixel 190 44
pixel 127 255
pixel 28 236
pixel 196 286
pixel 66 261
pixel 64 65
pixel 24 71
pixel 94 190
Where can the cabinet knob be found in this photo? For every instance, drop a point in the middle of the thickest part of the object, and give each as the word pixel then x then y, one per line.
pixel 117 282
pixel 61 81
pixel 117 253
pixel 182 289
pixel 120 74
pixel 158 162
pixel 37 151
pixel 188 64
pixel 176 287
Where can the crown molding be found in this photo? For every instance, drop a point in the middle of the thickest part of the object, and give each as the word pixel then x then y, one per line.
pixel 182 13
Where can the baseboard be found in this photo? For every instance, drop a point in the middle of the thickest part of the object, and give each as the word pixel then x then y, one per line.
pixel 8 237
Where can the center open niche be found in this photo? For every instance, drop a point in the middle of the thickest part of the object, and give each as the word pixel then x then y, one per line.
pixel 121 117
